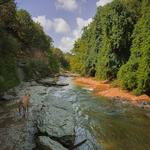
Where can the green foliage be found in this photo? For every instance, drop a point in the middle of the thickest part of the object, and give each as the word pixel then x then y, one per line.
pixel 77 62
pixel 53 62
pixel 39 39
pixel 116 45
pixel 135 74
pixel 7 15
pixel 8 73
pixel 117 26
pixel 19 37
pixel 30 33
pixel 60 57
pixel 8 43
pixel 36 69
pixel 8 46
pixel 68 57
pixel 25 28
pixel 105 44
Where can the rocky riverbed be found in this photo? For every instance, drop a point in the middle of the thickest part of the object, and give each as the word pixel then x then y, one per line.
pixel 65 116
pixel 49 124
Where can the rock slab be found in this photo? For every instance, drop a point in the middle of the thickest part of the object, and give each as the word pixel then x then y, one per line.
pixel 45 143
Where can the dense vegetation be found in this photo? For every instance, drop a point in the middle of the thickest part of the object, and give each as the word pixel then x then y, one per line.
pixel 22 41
pixel 116 45
pixel 61 58
pixel 135 74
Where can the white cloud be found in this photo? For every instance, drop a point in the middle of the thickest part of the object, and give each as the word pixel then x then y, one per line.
pixel 80 24
pixel 61 26
pixel 58 24
pixel 44 22
pixel 66 43
pixel 69 5
pixel 102 2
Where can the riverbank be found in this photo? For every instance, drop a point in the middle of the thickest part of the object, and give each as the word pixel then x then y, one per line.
pixel 105 89
pixel 49 123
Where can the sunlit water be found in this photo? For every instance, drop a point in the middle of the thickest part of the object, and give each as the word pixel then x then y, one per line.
pixel 105 124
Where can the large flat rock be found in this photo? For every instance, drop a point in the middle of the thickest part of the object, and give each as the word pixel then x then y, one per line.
pixel 49 116
pixel 48 81
pixel 57 121
pixel 45 143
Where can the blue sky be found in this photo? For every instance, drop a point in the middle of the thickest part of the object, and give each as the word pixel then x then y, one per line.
pixel 63 20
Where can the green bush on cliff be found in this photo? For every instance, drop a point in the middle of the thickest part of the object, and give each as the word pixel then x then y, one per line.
pixel 8 73
pixel 135 74
pixel 116 45
pixel 36 69
pixel 19 35
pixel 9 45
pixel 105 43
pixel 117 25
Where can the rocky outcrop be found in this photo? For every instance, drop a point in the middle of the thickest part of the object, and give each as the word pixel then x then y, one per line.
pixel 56 121
pixel 45 143
pixel 49 115
pixel 67 74
pixel 53 116
pixel 9 95
pixel 47 82
pixel 52 82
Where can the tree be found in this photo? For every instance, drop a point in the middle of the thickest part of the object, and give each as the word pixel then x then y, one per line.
pixel 25 29
pixel 20 36
pixel 8 43
pixel 135 74
pixel 117 26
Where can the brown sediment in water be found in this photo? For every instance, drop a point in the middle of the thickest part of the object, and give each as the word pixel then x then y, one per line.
pixel 105 89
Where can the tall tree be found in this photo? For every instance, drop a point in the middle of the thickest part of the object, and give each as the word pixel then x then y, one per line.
pixel 135 74
pixel 117 26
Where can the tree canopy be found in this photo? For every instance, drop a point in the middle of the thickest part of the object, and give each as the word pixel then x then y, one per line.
pixel 135 74
pixel 116 45
pixel 20 38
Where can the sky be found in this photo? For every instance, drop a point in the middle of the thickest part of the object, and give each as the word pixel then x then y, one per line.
pixel 63 20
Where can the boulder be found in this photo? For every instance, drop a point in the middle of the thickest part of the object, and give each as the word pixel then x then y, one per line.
pixel 8 97
pixel 52 82
pixel 57 121
pixel 47 82
pixel 45 143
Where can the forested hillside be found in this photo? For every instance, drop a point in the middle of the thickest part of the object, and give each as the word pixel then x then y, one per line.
pixel 23 43
pixel 116 45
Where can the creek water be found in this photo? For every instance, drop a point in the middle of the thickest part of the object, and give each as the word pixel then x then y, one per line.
pixel 105 124
pixel 111 125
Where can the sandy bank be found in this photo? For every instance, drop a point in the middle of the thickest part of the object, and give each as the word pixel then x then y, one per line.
pixel 103 88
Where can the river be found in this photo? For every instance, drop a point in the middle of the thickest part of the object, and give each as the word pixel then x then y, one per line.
pixel 105 124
